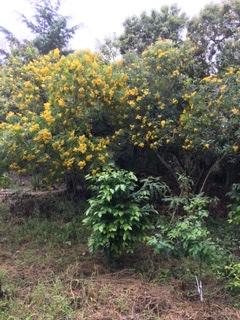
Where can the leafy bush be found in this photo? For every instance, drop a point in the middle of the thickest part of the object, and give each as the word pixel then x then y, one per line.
pixel 233 275
pixel 188 235
pixel 157 189
pixel 118 214
pixel 234 213
pixel 5 180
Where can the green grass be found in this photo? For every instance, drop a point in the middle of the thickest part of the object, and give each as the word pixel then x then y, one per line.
pixel 35 251
pixel 44 301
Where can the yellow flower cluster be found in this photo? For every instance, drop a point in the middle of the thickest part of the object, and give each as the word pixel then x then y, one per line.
pixel 44 136
pixel 212 79
pixel 47 114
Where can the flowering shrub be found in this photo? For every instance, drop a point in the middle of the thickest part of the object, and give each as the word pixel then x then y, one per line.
pixel 61 107
pixel 70 114
pixel 211 119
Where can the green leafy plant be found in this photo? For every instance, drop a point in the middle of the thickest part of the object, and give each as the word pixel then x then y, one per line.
pixel 2 276
pixel 176 202
pixel 157 189
pixel 5 290
pixel 118 214
pixel 233 275
pixel 5 181
pixel 188 235
pixel 234 213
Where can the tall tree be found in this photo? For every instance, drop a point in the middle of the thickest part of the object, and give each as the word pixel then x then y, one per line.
pixel 10 40
pixel 216 34
pixel 109 48
pixel 50 28
pixel 140 32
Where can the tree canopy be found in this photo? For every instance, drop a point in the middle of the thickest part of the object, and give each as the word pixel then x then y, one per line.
pixel 49 27
pixel 216 34
pixel 140 32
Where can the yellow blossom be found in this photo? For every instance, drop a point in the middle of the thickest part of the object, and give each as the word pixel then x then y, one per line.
pixel 89 157
pixel 132 103
pixel 46 114
pixel 235 110
pixel 29 157
pixel 94 171
pixel 43 136
pixel 82 164
pixel 9 115
pixel 133 92
pixel 82 138
pixel 56 53
pixel 16 127
pixel 162 54
pixel 97 81
pixel 81 90
pixel 235 148
pixel 69 163
pixel 57 144
pixel 102 158
pixel 163 122
pixel 230 71
pixel 176 73
pixel 61 102
pixel 82 148
pixel 14 166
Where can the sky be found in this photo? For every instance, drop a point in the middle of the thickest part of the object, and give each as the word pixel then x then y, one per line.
pixel 97 18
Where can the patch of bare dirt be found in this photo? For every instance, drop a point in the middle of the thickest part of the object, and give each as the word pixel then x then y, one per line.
pixel 123 296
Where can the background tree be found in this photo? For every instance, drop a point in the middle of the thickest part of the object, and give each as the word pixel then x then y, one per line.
pixel 160 75
pixel 109 48
pixel 140 32
pixel 10 39
pixel 49 26
pixel 216 34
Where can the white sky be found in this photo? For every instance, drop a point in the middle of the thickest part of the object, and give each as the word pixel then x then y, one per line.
pixel 100 18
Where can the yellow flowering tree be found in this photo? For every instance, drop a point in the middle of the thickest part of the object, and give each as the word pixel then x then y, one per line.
pixel 210 122
pixel 66 115
pixel 160 75
pixel 190 124
pixel 62 114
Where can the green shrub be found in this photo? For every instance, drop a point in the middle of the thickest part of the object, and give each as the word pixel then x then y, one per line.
pixel 234 213
pixel 187 236
pixel 5 181
pixel 233 275
pixel 118 214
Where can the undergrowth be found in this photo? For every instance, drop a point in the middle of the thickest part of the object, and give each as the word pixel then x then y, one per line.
pixel 47 272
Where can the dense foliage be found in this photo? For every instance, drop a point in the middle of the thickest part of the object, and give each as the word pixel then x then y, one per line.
pixel 215 32
pixel 140 32
pixel 49 28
